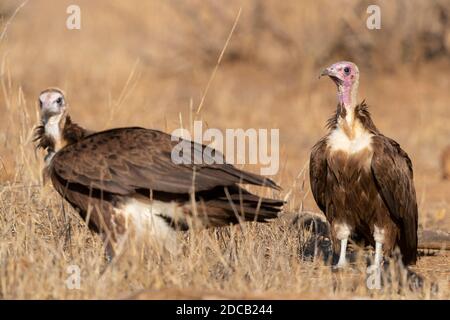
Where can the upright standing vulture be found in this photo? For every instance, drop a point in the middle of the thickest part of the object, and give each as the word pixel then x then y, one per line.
pixel 361 179
pixel 124 179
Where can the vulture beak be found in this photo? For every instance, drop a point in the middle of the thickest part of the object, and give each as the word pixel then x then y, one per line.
pixel 331 72
pixel 325 72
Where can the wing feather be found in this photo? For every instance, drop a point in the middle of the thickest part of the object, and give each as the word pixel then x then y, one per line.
pixel 392 171
pixel 124 159
pixel 318 173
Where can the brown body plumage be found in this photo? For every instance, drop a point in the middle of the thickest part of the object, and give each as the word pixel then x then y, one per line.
pixel 373 187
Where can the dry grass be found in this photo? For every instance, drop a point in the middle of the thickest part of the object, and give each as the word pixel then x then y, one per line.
pixel 149 64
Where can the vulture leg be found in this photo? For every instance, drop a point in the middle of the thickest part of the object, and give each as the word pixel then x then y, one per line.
pixel 342 234
pixel 342 260
pixel 379 237
pixel 378 253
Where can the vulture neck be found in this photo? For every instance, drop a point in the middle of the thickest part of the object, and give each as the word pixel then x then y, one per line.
pixel 53 132
pixel 56 132
pixel 347 97
pixel 54 127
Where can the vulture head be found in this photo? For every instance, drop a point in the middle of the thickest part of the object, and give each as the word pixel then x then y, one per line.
pixel 56 129
pixel 53 112
pixel 52 104
pixel 345 75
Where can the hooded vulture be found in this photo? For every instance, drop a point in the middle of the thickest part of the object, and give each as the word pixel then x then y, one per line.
pixel 361 179
pixel 124 179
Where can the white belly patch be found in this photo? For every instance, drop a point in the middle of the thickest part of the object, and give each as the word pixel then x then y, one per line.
pixel 145 218
pixel 340 141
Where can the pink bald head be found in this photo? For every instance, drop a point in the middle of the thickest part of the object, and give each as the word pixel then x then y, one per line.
pixel 346 76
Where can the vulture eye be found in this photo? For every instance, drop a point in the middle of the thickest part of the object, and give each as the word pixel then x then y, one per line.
pixel 59 101
pixel 40 103
pixel 347 70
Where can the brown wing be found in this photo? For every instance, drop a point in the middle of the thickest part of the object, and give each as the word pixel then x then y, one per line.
pixel 393 174
pixel 122 160
pixel 318 173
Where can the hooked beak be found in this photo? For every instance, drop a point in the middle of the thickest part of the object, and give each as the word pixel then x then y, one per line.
pixel 331 72
pixel 325 72
pixel 48 110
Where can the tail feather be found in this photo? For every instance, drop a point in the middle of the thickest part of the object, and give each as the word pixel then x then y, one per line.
pixel 250 178
pixel 408 242
pixel 239 205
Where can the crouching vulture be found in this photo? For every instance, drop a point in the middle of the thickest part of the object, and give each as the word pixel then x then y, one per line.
pixel 124 180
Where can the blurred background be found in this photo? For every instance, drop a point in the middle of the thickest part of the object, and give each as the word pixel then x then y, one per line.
pixel 149 64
